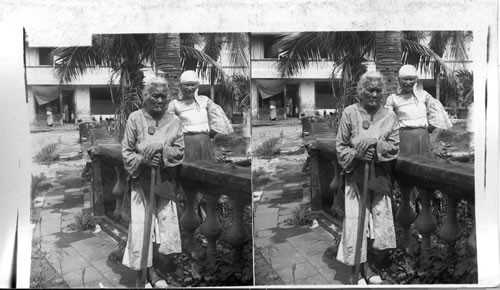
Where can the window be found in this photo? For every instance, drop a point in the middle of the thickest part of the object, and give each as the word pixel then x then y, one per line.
pixel 268 47
pixel 45 56
pixel 100 101
pixel 324 95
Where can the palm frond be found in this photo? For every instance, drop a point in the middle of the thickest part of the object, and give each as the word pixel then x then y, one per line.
pixel 452 44
pixel 427 56
pixel 213 44
pixel 238 46
pixel 299 49
pixel 191 39
pixel 72 62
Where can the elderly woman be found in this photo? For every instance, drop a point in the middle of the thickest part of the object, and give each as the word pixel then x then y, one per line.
pixel 152 138
pixel 367 133
pixel 201 118
pixel 418 114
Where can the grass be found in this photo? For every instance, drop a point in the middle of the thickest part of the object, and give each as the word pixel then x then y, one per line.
pixel 39 183
pixel 268 148
pixel 48 154
pixel 301 216
pixel 260 178
pixel 84 221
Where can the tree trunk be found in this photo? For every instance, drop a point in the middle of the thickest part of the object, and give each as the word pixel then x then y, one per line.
pixel 167 55
pixel 388 58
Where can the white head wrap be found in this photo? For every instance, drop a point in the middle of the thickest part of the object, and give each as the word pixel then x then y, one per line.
pixel 189 76
pixel 407 71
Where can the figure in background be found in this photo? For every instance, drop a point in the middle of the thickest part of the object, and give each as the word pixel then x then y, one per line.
pixel 66 113
pixel 367 132
pixel 50 117
pixel 153 138
pixel 272 110
pixel 201 118
pixel 418 114
pixel 288 109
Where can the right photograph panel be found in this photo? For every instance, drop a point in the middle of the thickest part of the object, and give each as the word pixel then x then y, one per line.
pixel 363 158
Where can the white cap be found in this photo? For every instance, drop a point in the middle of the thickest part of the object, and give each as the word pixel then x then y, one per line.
pixel 189 76
pixel 407 71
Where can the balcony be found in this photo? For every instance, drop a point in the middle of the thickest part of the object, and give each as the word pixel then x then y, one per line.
pixel 268 69
pixel 45 75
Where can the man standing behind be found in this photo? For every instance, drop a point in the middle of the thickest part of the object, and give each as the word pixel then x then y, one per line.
pixel 153 138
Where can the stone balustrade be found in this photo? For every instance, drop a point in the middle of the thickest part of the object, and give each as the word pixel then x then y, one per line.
pixel 428 175
pixel 213 180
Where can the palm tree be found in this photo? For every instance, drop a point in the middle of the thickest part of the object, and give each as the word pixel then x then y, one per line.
pixel 351 50
pixel 127 55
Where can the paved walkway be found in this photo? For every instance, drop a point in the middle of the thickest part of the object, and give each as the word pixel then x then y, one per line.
pixel 299 255
pixel 80 258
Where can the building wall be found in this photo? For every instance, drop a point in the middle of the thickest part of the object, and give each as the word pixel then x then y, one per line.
pixel 31 105
pixel 254 98
pixel 306 95
pixel 82 102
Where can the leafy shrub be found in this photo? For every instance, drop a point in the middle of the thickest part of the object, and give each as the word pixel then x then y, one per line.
pixel 48 154
pixel 268 148
pixel 233 142
pixel 39 183
pixel 84 221
pixel 301 216
pixel 260 178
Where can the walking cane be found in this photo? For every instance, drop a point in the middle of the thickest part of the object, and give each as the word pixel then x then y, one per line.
pixel 147 228
pixel 361 225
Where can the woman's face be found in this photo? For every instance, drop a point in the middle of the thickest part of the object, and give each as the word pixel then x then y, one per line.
pixel 188 89
pixel 156 103
pixel 406 83
pixel 371 95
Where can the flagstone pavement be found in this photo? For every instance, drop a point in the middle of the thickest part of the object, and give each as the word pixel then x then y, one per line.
pixel 299 255
pixel 80 258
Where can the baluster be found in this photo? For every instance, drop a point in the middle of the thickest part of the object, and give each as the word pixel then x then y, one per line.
pixel 425 222
pixel 405 215
pixel 211 228
pixel 337 207
pixel 316 200
pixel 98 192
pixel 117 191
pixel 236 236
pixel 190 220
pixel 450 228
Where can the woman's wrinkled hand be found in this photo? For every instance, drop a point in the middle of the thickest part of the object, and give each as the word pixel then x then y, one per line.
pixel 365 143
pixel 149 149
pixel 366 155
pixel 155 161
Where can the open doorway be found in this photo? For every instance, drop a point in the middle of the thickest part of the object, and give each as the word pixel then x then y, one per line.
pixel 68 106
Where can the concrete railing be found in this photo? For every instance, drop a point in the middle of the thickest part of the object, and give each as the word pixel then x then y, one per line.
pixel 213 180
pixel 454 180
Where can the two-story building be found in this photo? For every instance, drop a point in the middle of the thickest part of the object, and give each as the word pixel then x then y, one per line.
pixel 89 96
pixel 308 91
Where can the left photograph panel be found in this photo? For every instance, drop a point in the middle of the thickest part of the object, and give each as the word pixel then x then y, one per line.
pixel 141 170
